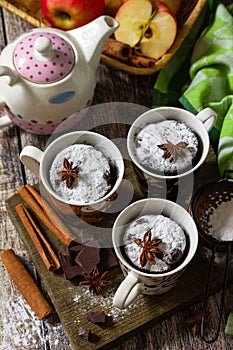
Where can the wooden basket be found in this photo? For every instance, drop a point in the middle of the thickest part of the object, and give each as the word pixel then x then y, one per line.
pixel 30 11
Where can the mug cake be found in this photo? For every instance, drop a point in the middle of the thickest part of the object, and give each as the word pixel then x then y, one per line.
pixel 167 147
pixel 81 173
pixel 154 243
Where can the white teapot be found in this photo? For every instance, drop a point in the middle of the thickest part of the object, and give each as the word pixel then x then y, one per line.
pixel 47 74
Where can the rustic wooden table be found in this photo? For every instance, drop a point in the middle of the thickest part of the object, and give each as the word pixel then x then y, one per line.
pixel 19 326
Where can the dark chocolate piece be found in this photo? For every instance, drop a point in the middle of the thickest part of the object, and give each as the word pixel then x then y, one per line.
pixel 88 258
pixel 70 271
pixel 84 332
pixel 80 258
pixel 66 255
pixel 96 316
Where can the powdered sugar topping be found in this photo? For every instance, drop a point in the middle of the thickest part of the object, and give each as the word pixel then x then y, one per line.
pixel 221 222
pixel 171 234
pixel 151 156
pixel 91 184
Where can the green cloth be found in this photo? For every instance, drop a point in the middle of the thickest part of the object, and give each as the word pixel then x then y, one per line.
pixel 211 74
pixel 171 79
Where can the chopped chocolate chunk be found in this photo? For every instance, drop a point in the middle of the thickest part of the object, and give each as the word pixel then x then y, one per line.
pixel 70 271
pixel 66 255
pixel 80 258
pixel 84 332
pixel 76 249
pixel 96 316
pixel 88 258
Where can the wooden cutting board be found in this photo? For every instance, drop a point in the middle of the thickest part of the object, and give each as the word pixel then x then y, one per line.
pixel 71 302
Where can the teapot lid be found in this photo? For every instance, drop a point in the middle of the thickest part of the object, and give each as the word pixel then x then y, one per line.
pixel 43 57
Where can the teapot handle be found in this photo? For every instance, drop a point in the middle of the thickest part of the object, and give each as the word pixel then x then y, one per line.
pixel 5 120
pixel 13 77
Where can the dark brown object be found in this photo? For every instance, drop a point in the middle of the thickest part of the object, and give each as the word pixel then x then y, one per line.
pixel 170 149
pixel 95 282
pixel 25 284
pixel 96 316
pixel 148 247
pixel 43 247
pixel 88 257
pixel 70 173
pixel 79 258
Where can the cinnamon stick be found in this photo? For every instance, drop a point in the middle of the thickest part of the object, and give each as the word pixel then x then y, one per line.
pixel 138 60
pixel 117 49
pixel 45 212
pixel 25 284
pixel 43 247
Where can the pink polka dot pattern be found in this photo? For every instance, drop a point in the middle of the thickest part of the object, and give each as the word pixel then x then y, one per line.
pixel 44 71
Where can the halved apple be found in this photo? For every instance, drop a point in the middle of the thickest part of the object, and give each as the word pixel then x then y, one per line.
pixel 152 30
pixel 133 17
pixel 161 33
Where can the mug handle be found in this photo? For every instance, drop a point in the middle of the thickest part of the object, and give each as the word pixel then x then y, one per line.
pixel 208 117
pixel 128 291
pixel 31 156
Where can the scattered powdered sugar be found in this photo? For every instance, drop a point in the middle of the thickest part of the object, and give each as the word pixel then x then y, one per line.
pixel 152 135
pixel 20 328
pixel 106 303
pixel 171 234
pixel 91 184
pixel 221 222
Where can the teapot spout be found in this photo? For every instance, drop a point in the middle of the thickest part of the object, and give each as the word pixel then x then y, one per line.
pixel 92 37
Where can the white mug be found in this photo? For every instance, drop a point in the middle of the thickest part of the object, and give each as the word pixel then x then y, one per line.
pixel 138 282
pixel 199 124
pixel 39 162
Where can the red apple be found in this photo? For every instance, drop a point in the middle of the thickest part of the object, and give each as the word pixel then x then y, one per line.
pixel 174 5
pixel 111 7
pixel 152 30
pixel 70 14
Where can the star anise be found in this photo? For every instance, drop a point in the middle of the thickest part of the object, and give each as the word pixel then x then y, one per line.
pixel 69 173
pixel 148 248
pixel 170 149
pixel 95 281
pixel 194 320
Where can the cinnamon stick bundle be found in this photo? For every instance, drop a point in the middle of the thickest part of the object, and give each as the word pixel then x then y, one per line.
pixel 25 284
pixel 45 213
pixel 43 247
pixel 123 52
pixel 117 49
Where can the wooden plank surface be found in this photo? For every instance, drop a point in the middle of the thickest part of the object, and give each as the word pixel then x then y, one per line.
pixel 19 327
pixel 145 311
